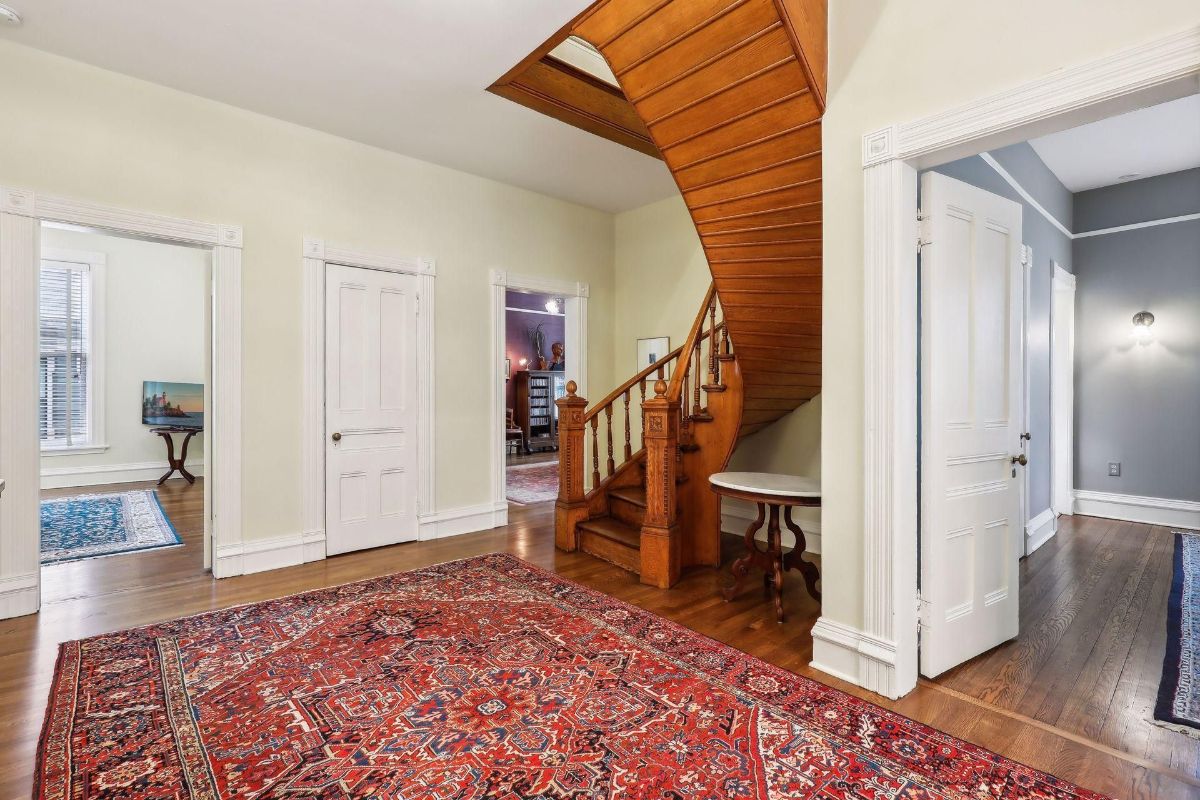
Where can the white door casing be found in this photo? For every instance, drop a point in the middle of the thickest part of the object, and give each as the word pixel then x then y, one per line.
pixel 971 369
pixel 370 408
pixel 1062 391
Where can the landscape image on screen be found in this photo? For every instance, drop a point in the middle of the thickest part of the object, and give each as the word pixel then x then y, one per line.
pixel 175 404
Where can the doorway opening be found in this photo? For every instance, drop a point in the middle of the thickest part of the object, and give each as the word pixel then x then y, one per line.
pixel 1075 602
pixel 535 362
pixel 123 377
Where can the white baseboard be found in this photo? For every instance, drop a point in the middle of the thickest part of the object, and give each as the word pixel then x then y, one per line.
pixel 19 595
pixel 736 515
pixel 260 555
pixel 855 656
pixel 94 475
pixel 1039 530
pixel 1135 508
pixel 467 519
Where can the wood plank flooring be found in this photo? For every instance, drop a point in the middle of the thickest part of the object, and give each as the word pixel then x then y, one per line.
pixel 1126 759
pixel 1093 631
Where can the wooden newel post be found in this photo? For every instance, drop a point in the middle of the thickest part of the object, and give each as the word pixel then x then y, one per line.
pixel 660 528
pixel 570 508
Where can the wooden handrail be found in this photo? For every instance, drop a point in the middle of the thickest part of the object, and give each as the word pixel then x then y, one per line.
pixel 697 331
pixel 612 396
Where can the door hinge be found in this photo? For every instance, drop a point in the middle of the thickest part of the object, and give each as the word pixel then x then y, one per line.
pixel 920 612
pixel 923 237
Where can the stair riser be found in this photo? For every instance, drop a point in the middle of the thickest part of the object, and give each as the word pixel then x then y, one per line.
pixel 627 512
pixel 601 547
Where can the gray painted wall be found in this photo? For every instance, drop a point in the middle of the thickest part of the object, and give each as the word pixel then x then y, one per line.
pixel 1049 245
pixel 1165 196
pixel 1138 403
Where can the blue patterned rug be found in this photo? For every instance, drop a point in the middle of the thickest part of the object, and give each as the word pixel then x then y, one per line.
pixel 1179 693
pixel 91 525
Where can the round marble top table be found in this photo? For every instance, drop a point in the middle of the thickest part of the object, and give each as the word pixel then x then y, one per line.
pixel 773 491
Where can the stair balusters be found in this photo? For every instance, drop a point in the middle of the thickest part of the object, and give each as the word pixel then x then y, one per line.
pixel 628 447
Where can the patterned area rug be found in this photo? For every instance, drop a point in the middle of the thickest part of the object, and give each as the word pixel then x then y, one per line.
pixel 481 678
pixel 1178 704
pixel 91 525
pixel 532 483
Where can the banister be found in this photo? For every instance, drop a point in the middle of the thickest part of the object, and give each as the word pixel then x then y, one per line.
pixel 697 330
pixel 612 396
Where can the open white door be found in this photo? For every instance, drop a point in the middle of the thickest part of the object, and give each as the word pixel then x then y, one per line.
pixel 370 408
pixel 971 373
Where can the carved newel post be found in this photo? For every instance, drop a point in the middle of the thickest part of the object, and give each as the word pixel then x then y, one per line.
pixel 570 508
pixel 660 529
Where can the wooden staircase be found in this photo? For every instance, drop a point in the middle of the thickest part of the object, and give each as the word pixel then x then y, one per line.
pixel 649 508
pixel 732 93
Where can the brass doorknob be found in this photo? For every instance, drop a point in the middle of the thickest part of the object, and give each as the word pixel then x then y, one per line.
pixel 1021 459
pixel 337 437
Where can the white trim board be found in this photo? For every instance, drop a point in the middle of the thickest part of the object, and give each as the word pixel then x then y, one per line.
pixel 97 474
pixel 22 212
pixel 1136 508
pixel 575 296
pixel 991 161
pixel 261 555
pixel 316 253
pixel 885 649
pixel 1039 530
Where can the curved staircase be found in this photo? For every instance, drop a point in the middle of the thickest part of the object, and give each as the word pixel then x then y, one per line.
pixel 731 93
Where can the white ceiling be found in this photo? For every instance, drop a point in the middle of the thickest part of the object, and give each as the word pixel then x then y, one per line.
pixel 1147 142
pixel 405 75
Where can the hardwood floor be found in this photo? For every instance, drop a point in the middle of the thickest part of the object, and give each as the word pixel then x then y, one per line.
pixel 117 596
pixel 537 457
pixel 183 505
pixel 1093 631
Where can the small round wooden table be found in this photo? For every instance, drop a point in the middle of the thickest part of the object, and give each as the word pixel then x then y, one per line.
pixel 768 490
pixel 172 462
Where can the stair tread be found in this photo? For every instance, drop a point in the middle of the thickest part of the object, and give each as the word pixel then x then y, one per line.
pixel 612 528
pixel 630 494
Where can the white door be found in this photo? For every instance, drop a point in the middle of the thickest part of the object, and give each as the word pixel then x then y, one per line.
pixel 971 373
pixel 370 408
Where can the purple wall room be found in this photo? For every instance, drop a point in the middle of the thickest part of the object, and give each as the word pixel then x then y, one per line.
pixel 523 313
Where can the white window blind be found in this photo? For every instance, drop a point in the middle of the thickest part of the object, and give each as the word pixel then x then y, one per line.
pixel 64 365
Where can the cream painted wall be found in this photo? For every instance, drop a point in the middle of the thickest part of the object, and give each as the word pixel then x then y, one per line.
pixel 661 277
pixel 893 61
pixel 95 135
pixel 155 321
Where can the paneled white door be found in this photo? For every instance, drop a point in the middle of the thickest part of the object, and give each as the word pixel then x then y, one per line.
pixel 370 408
pixel 971 375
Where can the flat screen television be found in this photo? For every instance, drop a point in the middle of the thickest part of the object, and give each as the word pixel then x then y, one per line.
pixel 179 405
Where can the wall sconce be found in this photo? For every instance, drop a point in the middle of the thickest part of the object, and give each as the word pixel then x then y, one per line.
pixel 523 362
pixel 553 305
pixel 1141 324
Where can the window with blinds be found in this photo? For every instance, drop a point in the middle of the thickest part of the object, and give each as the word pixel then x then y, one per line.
pixel 64 362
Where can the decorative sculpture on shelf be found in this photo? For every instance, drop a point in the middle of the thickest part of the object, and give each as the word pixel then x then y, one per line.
pixel 537 338
pixel 558 361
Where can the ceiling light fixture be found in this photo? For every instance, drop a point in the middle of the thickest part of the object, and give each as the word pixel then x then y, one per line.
pixel 1141 324
pixel 552 306
pixel 9 16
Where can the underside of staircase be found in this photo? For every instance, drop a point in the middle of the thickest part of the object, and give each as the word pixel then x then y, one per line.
pixel 731 94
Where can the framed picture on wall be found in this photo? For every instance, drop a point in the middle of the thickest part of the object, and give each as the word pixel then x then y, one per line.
pixel 507 368
pixel 651 350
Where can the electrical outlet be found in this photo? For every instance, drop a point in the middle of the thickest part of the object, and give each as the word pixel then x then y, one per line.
pixel 1114 469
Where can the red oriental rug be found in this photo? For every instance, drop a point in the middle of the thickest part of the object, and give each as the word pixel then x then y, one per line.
pixel 531 483
pixel 482 678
